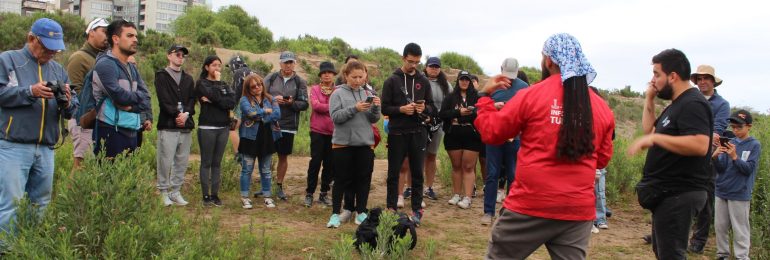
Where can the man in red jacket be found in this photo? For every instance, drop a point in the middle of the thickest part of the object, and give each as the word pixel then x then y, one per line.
pixel 566 134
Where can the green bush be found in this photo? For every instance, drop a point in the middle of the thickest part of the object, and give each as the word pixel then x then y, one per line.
pixel 460 61
pixel 230 27
pixel 13 33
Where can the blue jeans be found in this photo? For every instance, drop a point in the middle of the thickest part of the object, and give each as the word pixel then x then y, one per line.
pixel 247 166
pixel 601 199
pixel 24 168
pixel 499 158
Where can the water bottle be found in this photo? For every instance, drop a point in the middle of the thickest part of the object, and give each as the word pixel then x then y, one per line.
pixel 179 107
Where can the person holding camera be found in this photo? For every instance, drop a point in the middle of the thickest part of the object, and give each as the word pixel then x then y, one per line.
pixel 462 142
pixel 34 96
pixel 214 124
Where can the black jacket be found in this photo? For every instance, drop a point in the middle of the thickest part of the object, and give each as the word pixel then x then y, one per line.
pixel 169 94
pixel 394 95
pixel 450 109
pixel 222 100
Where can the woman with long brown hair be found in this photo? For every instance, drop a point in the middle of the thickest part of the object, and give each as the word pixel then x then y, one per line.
pixel 260 113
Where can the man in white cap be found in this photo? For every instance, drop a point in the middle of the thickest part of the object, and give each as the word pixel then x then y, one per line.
pixel 78 66
pixel 29 113
pixel 707 81
pixel 290 90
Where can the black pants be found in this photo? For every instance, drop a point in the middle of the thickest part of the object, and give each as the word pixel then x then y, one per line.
pixel 671 222
pixel 700 231
pixel 320 152
pixel 353 173
pixel 399 146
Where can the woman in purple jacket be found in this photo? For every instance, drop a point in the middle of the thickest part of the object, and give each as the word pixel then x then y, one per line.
pixel 321 130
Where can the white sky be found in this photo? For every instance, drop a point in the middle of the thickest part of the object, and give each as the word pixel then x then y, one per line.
pixel 618 37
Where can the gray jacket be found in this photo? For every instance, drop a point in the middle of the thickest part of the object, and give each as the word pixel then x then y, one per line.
pixel 352 128
pixel 295 87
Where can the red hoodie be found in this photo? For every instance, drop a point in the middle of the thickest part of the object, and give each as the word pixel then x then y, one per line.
pixel 545 186
pixel 320 120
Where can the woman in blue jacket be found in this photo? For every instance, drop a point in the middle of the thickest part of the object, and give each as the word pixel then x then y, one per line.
pixel 260 114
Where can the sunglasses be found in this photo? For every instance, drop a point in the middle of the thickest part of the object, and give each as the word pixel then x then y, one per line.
pixel 180 55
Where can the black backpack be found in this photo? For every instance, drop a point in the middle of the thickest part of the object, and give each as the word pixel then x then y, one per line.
pixel 367 230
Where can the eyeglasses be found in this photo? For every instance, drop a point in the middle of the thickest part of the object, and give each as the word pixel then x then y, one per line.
pixel 413 62
pixel 47 51
pixel 180 55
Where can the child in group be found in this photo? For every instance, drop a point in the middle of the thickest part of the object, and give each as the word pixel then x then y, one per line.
pixel 736 163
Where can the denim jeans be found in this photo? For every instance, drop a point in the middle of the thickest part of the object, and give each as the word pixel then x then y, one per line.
pixel 499 158
pixel 24 168
pixel 247 167
pixel 601 199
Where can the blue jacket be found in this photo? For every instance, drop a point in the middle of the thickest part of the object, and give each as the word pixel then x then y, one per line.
pixel 24 118
pixel 721 110
pixel 113 80
pixel 251 113
pixel 503 95
pixel 735 179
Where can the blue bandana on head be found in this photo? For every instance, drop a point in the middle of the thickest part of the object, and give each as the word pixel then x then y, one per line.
pixel 566 52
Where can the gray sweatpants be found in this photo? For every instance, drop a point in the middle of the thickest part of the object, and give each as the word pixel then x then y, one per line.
pixel 173 152
pixel 212 144
pixel 516 236
pixel 732 215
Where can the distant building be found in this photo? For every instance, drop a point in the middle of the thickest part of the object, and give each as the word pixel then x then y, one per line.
pixel 146 14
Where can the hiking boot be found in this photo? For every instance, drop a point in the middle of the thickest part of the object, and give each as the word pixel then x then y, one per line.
pixel 345 215
pixel 500 196
pixel 594 230
pixel 309 200
pixel 465 203
pixel 486 220
pixel 695 248
pixel 246 203
pixel 407 193
pixel 417 217
pixel 455 198
pixel 603 226
pixel 176 198
pixel 207 201
pixel 280 194
pixel 216 201
pixel 269 203
pixel 430 194
pixel 334 221
pixel 360 218
pixel 400 203
pixel 324 199
pixel 165 199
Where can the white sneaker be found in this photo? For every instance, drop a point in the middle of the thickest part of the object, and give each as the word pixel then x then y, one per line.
pixel 269 203
pixel 345 215
pixel 465 203
pixel 400 203
pixel 165 199
pixel 246 203
pixel 177 198
pixel 455 198
pixel 500 196
pixel 603 226
pixel 423 204
pixel 594 229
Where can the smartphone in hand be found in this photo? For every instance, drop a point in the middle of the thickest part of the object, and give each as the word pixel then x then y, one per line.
pixel 370 99
pixel 723 141
pixel 421 101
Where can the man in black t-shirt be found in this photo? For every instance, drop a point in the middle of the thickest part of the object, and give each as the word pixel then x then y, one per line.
pixel 676 171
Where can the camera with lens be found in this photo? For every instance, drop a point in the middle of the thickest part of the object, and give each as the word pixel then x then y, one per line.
pixel 58 91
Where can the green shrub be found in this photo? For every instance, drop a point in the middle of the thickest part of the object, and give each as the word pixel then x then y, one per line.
pixel 460 61
pixel 13 33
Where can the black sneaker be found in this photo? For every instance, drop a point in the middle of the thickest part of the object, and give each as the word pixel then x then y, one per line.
pixel 608 213
pixel 216 201
pixel 407 193
pixel 696 248
pixel 324 199
pixel 280 194
pixel 207 201
pixel 309 200
pixel 474 191
pixel 647 239
pixel 417 217
pixel 430 194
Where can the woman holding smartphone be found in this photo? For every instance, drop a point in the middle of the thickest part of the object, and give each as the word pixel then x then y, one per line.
pixel 353 110
pixel 216 100
pixel 259 113
pixel 462 142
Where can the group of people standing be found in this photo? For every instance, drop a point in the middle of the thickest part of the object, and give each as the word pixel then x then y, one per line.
pixel 563 128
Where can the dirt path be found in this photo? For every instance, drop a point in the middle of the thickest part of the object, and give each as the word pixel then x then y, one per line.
pixel 297 232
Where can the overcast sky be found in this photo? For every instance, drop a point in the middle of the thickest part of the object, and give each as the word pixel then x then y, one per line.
pixel 618 37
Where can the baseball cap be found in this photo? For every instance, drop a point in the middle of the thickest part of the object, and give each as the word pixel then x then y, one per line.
pixel 177 47
pixel 50 34
pixel 510 68
pixel 434 61
pixel 464 74
pixel 287 56
pixel 96 23
pixel 741 117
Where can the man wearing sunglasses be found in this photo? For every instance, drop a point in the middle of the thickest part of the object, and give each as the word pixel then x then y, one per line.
pixel 78 66
pixel 176 100
pixel 29 117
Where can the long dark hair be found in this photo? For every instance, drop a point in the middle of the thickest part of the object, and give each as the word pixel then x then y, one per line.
pixel 470 92
pixel 442 81
pixel 576 135
pixel 206 62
